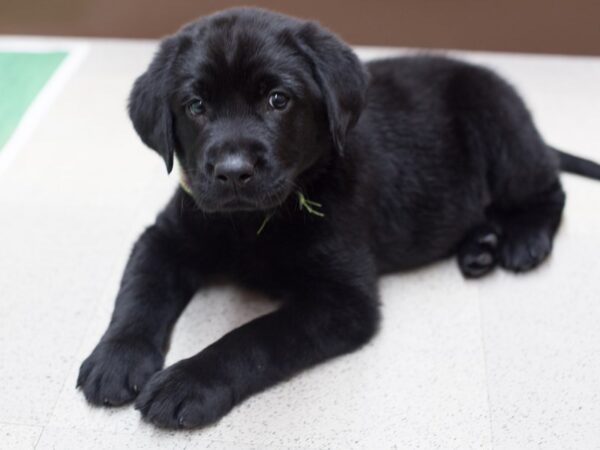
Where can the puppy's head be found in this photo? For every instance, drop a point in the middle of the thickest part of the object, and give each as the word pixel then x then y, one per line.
pixel 249 101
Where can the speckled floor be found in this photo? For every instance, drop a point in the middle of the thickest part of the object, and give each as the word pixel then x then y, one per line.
pixel 508 362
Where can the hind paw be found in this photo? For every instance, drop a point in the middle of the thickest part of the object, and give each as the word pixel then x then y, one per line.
pixel 477 254
pixel 524 249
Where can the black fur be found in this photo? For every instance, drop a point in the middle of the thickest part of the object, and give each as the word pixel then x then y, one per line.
pixel 411 159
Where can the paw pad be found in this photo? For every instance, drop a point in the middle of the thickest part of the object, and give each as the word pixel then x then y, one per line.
pixel 477 253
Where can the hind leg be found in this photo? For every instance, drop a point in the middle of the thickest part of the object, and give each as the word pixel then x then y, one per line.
pixel 527 230
pixel 517 238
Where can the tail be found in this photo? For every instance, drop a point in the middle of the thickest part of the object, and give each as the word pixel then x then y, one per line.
pixel 580 166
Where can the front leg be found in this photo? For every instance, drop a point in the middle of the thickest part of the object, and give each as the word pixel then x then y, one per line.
pixel 156 286
pixel 324 319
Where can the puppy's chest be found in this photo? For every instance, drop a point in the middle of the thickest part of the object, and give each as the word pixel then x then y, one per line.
pixel 271 253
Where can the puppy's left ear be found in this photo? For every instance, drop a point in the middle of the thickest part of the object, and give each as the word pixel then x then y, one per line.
pixel 340 75
pixel 148 104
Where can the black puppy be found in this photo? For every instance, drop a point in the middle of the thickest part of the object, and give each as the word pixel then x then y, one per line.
pixel 305 175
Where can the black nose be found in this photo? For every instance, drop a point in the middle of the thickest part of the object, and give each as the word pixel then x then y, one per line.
pixel 233 169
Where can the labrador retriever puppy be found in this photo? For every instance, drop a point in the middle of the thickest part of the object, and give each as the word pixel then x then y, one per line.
pixel 306 175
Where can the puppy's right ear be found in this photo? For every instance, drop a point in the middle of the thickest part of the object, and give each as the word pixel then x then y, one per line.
pixel 342 78
pixel 149 106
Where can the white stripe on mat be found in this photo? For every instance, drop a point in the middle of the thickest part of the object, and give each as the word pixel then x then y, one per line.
pixel 76 52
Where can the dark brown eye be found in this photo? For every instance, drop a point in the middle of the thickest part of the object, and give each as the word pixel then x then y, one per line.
pixel 277 100
pixel 196 107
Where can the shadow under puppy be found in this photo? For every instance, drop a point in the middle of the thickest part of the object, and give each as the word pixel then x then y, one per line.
pixel 307 174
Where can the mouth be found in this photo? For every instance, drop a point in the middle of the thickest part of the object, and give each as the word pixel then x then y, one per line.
pixel 238 204
pixel 236 201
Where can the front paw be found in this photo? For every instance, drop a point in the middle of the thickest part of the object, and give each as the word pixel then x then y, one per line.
pixel 117 369
pixel 185 396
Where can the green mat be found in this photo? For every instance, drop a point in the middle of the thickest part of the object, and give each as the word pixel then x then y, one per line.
pixel 22 77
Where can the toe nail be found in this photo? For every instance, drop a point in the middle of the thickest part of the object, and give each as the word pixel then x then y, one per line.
pixel 490 239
